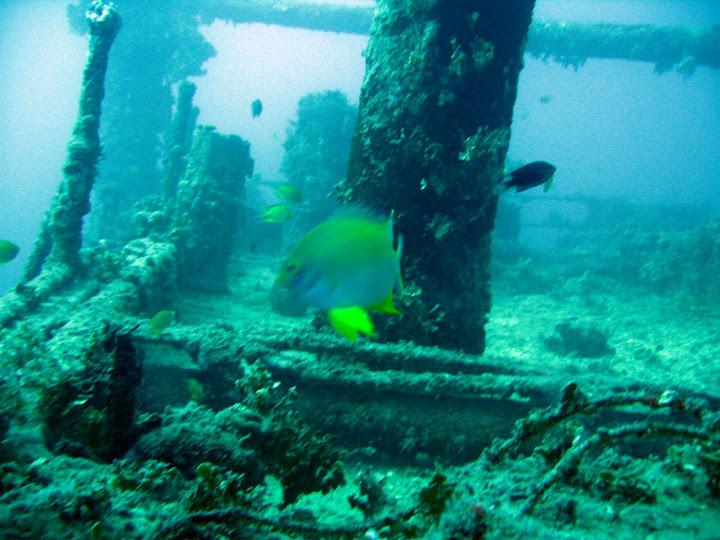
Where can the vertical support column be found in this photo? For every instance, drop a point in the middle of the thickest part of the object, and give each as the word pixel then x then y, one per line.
pixel 180 137
pixel 60 237
pixel 433 129
pixel 208 204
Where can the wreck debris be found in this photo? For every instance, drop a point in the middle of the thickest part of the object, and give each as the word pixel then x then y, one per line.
pixel 296 14
pixel 90 409
pixel 570 460
pixel 573 402
pixel 157 48
pixel 316 153
pixel 452 504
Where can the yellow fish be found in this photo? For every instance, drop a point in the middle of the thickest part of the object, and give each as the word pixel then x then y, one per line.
pixel 195 389
pixel 276 213
pixel 285 191
pixel 160 321
pixel 8 251
pixel 348 266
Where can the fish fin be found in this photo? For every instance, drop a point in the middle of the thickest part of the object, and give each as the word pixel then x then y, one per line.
pixel 352 321
pixel 386 306
pixel 548 184
pixel 399 286
pixel 505 183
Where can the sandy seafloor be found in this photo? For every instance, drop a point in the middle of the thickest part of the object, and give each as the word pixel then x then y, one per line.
pixel 658 341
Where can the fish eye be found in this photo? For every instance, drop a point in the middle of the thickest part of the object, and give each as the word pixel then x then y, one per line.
pixel 292 268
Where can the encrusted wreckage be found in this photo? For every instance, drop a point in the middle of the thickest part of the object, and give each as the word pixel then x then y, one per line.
pixel 75 346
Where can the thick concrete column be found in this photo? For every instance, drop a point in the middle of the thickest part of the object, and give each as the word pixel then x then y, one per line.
pixel 433 129
pixel 208 203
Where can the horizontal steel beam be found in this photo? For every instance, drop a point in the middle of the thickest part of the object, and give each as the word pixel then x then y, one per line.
pixel 667 47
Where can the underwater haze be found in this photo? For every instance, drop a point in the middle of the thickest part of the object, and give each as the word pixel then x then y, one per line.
pixel 615 128
pixel 357 269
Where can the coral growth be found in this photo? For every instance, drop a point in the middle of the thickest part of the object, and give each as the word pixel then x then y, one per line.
pixel 90 410
pixel 571 339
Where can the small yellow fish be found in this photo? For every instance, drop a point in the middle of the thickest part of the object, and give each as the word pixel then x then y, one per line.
pixel 160 322
pixel 276 213
pixel 285 191
pixel 347 265
pixel 195 389
pixel 8 251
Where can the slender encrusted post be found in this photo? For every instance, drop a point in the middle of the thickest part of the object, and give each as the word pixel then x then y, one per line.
pixel 433 128
pixel 180 138
pixel 56 255
pixel 61 232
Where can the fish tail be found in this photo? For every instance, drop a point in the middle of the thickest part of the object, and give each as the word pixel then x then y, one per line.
pixel 503 185
pixel 352 321
pixel 399 286
pixel 386 306
pixel 548 184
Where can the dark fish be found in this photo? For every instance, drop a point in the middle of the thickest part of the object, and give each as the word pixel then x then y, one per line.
pixel 547 98
pixel 529 176
pixel 256 108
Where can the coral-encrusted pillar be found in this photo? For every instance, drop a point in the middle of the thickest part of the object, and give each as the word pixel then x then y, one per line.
pixel 433 129
pixel 61 232
pixel 180 138
pixel 208 204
